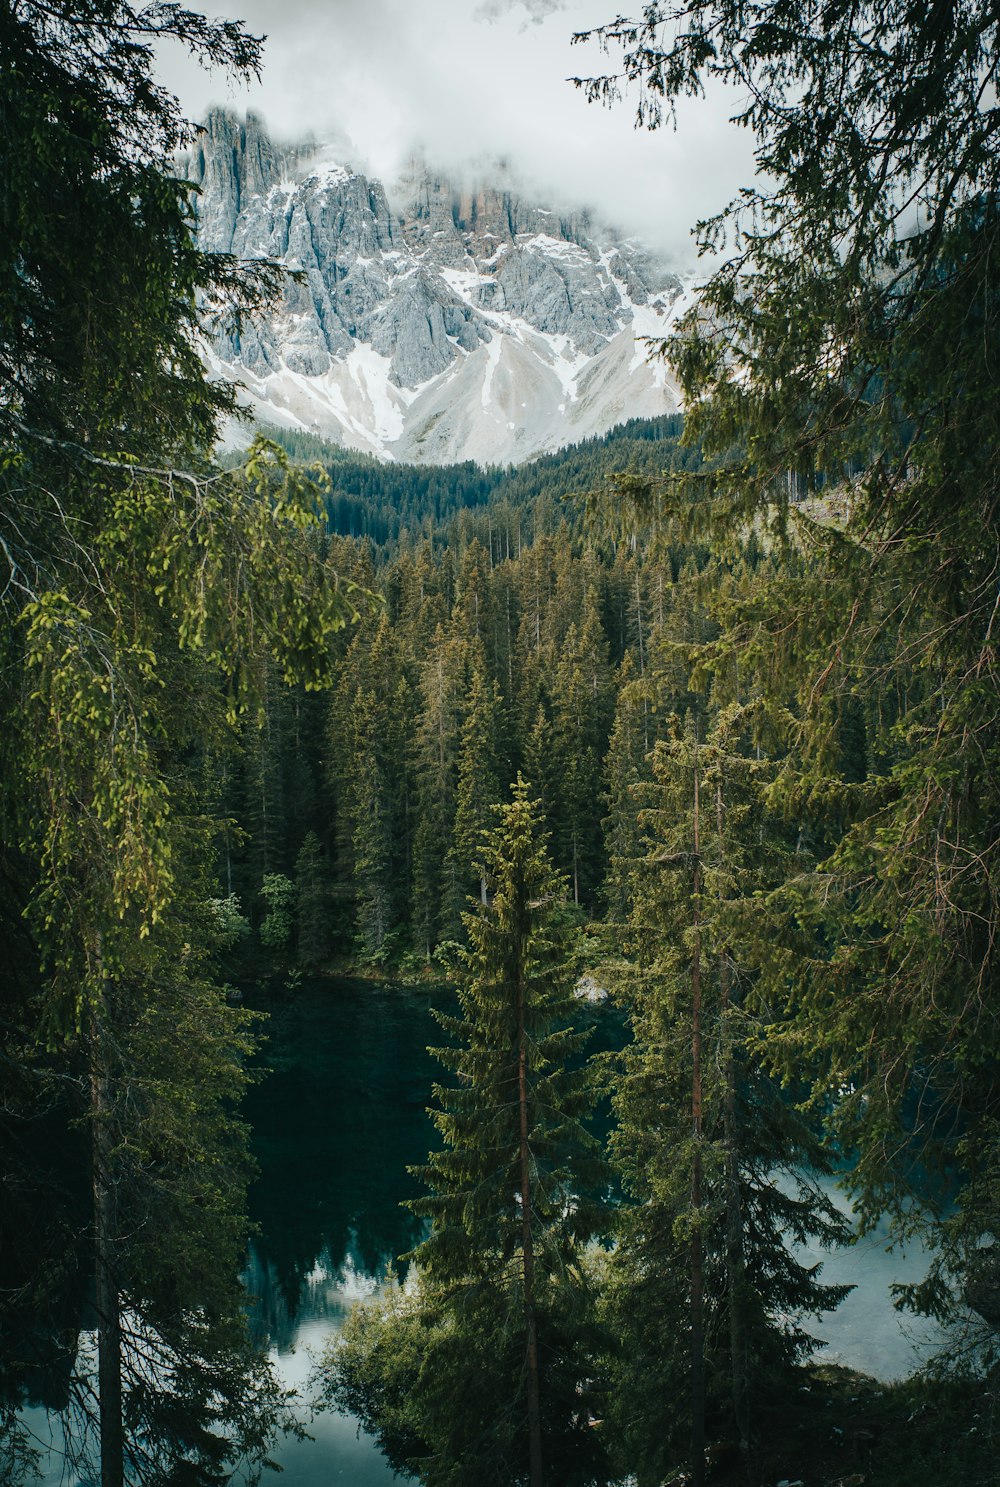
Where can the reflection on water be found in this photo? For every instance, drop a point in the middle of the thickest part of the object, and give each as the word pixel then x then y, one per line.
pixel 325 1296
pixel 866 1331
pixel 336 1123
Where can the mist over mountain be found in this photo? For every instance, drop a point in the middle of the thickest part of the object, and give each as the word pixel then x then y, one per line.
pixel 437 322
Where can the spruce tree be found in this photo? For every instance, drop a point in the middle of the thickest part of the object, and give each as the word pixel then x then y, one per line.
pixel 582 712
pixel 369 810
pixel 500 1317
pixel 480 771
pixel 369 726
pixel 312 904
pixel 631 741
pixel 703 1133
pixel 839 372
pixel 438 885
pixel 144 591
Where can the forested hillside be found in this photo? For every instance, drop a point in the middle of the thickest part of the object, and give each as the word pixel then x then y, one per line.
pixel 651 685
pixel 497 640
pixel 370 498
pixel 709 713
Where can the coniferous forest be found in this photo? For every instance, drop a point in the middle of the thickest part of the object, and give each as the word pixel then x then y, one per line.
pixel 704 711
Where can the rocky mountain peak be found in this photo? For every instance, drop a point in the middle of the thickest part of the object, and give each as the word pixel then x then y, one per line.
pixel 463 321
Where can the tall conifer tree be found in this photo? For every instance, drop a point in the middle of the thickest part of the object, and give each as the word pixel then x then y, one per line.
pixel 501 1312
pixel 480 770
pixel 143 591
pixel 840 373
pixel 703 1133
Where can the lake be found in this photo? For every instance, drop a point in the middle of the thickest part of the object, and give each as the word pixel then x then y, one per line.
pixel 337 1119
pixel 336 1124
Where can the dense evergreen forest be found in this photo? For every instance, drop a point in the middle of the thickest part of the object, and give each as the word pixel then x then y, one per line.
pixel 369 498
pixel 709 713
pixel 506 638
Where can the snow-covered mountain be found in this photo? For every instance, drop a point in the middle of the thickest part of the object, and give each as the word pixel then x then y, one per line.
pixel 455 324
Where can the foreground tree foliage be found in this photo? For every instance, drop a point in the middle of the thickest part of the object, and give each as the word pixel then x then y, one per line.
pixel 500 1316
pixel 811 895
pixel 840 374
pixel 705 1289
pixel 142 591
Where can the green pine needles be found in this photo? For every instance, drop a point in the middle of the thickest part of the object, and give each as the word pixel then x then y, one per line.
pixel 498 1329
pixel 714 1153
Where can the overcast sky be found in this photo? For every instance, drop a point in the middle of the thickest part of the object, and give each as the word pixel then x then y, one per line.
pixel 464 82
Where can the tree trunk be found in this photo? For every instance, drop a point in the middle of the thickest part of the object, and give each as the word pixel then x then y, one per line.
pixel 527 1245
pixel 697 1270
pixel 109 1332
pixel 735 1268
pixel 638 622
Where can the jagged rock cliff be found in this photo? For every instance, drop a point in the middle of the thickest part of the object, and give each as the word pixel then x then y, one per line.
pixel 450 324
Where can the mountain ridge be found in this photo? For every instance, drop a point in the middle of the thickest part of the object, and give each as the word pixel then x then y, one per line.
pixel 460 323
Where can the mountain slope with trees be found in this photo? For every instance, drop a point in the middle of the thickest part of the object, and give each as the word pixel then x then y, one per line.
pixel 253 721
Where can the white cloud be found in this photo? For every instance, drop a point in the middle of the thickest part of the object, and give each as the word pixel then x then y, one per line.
pixel 467 84
pixel 536 10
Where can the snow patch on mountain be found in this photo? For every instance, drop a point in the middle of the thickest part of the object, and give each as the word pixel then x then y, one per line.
pixel 450 325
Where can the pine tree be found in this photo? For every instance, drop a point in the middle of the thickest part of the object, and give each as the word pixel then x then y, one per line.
pixel 582 711
pixel 501 1310
pixel 471 614
pixel 312 904
pixel 702 1132
pixel 263 813
pixel 632 738
pixel 369 810
pixel 368 728
pixel 143 591
pixel 480 771
pixel 539 763
pixel 839 374
pixel 438 886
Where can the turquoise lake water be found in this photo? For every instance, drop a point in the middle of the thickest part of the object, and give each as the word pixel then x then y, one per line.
pixel 336 1125
pixel 336 1122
